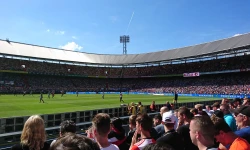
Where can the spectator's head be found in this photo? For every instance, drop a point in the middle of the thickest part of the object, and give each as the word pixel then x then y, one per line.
pixel 224 108
pixel 208 107
pixel 168 120
pixel 203 113
pixel 216 106
pixel 158 146
pixel 139 103
pixel 157 119
pixel 90 133
pixel 153 102
pixel 237 102
pixel 246 101
pixel 33 134
pixel 224 101
pixel 198 107
pixel 176 113
pixel 194 111
pixel 221 131
pixel 132 122
pixel 143 123
pixel 117 123
pixel 74 142
pixel 242 116
pixel 163 110
pixel 184 115
pixel 202 130
pixel 216 115
pixel 101 125
pixel 231 105
pixel 67 126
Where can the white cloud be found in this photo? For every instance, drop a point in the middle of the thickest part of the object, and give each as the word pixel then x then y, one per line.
pixel 113 18
pixel 236 34
pixel 74 37
pixel 47 30
pixel 71 46
pixel 60 32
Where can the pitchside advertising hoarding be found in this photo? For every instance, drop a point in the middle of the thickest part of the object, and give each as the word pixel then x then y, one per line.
pixel 172 94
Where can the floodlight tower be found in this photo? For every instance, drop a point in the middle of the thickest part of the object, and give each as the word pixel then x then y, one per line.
pixel 124 39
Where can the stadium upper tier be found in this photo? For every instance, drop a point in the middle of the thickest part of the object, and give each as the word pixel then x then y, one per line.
pixel 37 67
pixel 39 52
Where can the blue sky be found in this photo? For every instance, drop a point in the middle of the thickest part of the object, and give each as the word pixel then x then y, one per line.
pixel 94 26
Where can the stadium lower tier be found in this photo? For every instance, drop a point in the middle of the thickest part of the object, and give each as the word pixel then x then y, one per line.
pixel 233 83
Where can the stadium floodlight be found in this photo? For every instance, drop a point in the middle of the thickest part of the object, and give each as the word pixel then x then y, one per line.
pixel 124 39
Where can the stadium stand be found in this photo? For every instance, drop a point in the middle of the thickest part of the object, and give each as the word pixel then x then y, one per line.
pixel 219 67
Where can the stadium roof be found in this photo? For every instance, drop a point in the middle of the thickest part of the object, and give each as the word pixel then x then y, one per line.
pixel 39 52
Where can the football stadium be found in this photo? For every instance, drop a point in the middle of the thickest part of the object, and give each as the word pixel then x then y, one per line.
pixel 64 85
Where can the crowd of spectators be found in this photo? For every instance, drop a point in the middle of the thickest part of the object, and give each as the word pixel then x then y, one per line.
pixel 65 77
pixel 237 83
pixel 49 68
pixel 215 127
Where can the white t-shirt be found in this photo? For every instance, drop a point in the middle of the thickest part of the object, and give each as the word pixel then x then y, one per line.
pixel 111 147
pixel 142 143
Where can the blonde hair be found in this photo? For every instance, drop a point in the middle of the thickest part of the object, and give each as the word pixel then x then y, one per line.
pixel 33 134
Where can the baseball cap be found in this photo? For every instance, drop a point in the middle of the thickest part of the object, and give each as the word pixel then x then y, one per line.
pixel 245 110
pixel 168 117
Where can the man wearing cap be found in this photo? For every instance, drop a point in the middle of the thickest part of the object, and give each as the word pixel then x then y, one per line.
pixel 170 136
pixel 242 117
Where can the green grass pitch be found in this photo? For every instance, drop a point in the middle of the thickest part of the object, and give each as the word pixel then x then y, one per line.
pixel 13 106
